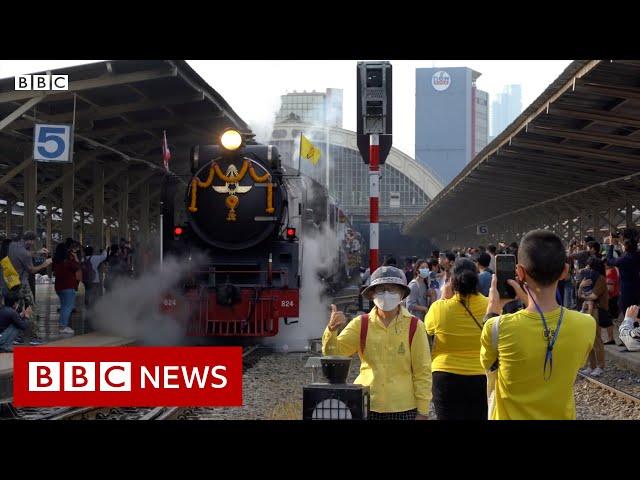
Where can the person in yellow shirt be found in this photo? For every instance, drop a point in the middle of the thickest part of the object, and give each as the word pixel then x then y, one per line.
pixel 393 348
pixel 538 350
pixel 459 381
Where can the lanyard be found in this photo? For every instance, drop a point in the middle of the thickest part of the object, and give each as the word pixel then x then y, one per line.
pixel 550 336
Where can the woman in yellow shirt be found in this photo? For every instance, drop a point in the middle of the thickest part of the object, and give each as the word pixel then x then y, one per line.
pixel 459 381
pixel 394 353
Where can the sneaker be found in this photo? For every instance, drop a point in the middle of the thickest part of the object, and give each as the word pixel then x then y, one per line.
pixel 586 371
pixel 67 331
pixel 19 341
pixel 36 341
pixel 597 372
pixel 610 342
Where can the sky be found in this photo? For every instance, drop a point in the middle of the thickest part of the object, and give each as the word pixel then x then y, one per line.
pixel 253 87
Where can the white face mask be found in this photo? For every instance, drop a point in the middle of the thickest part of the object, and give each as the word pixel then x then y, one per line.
pixel 387 301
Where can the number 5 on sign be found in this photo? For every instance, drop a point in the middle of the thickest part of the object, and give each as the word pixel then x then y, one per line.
pixel 52 143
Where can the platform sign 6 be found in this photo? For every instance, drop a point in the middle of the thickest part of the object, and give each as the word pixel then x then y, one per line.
pixel 52 143
pixel 482 230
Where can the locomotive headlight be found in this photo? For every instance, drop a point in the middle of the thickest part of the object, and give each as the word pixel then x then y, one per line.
pixel 231 139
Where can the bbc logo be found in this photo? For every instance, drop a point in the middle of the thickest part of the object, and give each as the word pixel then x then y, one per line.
pixel 42 82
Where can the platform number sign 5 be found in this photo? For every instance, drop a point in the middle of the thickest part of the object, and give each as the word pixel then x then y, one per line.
pixel 52 143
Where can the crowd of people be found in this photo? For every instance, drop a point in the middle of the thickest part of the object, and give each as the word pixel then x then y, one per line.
pixel 71 264
pixel 478 355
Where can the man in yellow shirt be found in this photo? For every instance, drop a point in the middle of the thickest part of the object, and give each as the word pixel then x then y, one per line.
pixel 539 349
pixel 393 347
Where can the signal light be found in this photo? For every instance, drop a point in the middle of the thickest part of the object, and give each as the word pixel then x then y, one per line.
pixel 177 231
pixel 291 233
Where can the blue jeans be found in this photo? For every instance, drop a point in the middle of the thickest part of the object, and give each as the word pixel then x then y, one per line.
pixel 7 337
pixel 67 302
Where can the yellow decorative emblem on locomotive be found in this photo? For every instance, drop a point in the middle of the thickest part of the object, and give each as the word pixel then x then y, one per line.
pixel 232 186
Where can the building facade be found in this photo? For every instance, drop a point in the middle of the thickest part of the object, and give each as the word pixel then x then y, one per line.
pixel 316 108
pixel 505 108
pixel 405 186
pixel 452 119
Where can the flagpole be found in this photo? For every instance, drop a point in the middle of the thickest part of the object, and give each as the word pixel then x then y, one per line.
pixel 300 156
pixel 327 156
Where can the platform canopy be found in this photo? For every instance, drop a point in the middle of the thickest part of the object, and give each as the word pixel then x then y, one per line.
pixel 574 149
pixel 121 111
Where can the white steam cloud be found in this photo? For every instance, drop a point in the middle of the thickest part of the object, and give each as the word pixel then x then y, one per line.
pixel 132 308
pixel 319 253
pixel 262 119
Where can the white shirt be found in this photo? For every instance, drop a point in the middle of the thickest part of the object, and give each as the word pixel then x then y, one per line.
pixel 95 261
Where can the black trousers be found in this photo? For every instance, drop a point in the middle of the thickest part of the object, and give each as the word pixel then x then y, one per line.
pixel 408 415
pixel 460 397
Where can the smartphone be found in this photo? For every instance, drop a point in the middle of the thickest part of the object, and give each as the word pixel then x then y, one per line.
pixel 505 270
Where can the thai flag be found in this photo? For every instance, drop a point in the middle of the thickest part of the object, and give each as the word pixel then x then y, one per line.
pixel 166 153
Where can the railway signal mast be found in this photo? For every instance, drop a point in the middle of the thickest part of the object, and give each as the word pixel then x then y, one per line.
pixel 374 137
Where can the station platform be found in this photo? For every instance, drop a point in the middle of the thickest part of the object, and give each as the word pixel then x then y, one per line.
pixel 622 357
pixel 48 305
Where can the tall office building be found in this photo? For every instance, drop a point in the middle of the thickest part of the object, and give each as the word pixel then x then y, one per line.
pixel 316 108
pixel 505 108
pixel 452 119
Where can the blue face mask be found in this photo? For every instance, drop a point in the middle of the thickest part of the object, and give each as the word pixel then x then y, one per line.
pixel 424 272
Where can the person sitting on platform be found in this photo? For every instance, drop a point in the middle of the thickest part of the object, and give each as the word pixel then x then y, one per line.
pixel 630 329
pixel 11 322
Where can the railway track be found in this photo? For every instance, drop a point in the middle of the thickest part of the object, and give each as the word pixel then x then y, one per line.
pixel 619 393
pixel 129 413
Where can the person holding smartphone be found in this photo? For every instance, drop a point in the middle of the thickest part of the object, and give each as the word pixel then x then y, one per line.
pixel 593 292
pixel 629 267
pixel 66 266
pixel 538 350
pixel 21 255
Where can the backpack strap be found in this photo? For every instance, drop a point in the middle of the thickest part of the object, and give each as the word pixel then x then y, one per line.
pixel 495 332
pixel 413 326
pixel 364 328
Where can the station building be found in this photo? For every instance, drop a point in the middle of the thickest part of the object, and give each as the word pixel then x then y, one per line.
pixel 406 187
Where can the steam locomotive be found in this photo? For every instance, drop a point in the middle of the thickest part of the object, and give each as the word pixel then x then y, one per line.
pixel 248 215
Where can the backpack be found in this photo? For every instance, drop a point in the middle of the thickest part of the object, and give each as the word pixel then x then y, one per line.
pixel 88 275
pixel 9 273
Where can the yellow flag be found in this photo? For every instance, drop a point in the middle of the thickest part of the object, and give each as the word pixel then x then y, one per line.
pixel 308 150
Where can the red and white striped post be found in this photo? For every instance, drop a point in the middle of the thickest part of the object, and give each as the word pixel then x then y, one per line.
pixel 374 202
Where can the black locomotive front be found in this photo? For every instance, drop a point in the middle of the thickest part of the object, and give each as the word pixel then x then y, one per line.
pixel 236 210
